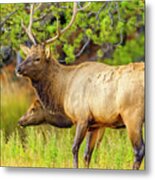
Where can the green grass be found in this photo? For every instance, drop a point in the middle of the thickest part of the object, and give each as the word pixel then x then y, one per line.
pixel 46 146
pixel 50 147
pixel 14 102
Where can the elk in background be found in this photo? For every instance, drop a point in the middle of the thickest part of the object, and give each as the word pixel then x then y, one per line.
pixel 37 115
pixel 91 94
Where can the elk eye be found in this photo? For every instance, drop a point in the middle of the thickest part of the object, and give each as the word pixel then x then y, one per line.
pixel 33 110
pixel 37 59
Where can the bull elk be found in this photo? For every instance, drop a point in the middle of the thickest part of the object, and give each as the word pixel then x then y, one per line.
pixel 93 95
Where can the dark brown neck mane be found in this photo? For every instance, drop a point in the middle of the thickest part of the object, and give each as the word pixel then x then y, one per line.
pixel 58 120
pixel 51 86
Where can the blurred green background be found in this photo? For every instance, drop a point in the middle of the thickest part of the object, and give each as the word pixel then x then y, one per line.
pixel 112 32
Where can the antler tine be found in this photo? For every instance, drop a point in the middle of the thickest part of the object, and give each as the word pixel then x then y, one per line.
pixel 59 32
pixel 38 7
pixel 29 29
pixel 83 8
pixel 75 10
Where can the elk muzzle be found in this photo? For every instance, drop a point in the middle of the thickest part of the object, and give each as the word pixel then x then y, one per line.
pixel 21 70
pixel 18 70
pixel 22 122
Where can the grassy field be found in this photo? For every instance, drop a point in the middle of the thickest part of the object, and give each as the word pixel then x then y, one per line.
pixel 46 146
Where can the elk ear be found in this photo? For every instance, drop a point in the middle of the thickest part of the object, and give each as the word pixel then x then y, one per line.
pixel 48 53
pixel 37 103
pixel 25 49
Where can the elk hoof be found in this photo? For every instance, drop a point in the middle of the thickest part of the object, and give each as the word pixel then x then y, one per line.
pixel 136 165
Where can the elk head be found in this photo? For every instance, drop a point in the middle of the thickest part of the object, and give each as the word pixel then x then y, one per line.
pixel 34 115
pixel 38 56
pixel 36 62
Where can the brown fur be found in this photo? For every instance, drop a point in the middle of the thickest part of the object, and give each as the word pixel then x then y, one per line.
pixel 90 94
pixel 37 115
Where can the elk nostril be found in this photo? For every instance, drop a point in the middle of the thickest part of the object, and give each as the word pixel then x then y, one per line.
pixel 20 123
pixel 18 70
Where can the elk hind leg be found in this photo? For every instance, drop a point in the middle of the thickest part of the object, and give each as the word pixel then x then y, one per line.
pixel 135 135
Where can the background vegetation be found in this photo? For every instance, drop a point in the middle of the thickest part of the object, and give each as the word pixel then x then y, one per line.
pixel 109 32
pixel 116 29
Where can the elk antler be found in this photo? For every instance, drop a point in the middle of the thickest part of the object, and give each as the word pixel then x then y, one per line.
pixel 59 32
pixel 29 29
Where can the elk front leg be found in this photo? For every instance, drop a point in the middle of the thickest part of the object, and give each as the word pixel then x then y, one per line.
pixel 101 132
pixel 79 136
pixel 90 144
pixel 94 138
